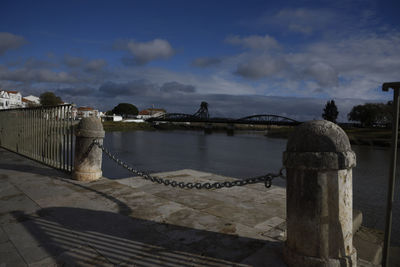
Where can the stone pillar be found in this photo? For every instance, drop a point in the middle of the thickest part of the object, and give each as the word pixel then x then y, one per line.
pixel 319 162
pixel 87 163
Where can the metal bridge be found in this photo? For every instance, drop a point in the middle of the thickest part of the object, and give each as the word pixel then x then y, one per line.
pixel 264 119
pixel 202 115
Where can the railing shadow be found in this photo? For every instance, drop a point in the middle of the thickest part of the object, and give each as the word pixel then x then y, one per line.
pixel 33 169
pixel 80 236
pixel 16 162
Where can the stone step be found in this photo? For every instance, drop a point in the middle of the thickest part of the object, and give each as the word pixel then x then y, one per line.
pixel 357 220
pixel 369 245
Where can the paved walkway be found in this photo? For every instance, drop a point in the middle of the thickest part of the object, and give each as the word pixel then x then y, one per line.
pixel 47 219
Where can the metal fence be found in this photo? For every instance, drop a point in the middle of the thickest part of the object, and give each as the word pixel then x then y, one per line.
pixel 44 134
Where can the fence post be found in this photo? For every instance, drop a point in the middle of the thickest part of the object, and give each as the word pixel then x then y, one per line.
pixel 319 162
pixel 87 160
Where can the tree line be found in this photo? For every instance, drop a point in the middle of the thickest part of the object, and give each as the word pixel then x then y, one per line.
pixel 368 115
pixel 123 109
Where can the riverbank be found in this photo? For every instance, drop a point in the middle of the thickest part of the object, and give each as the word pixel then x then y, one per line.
pixel 110 126
pixel 358 136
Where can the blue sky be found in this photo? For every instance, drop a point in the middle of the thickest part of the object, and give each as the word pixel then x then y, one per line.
pixel 242 57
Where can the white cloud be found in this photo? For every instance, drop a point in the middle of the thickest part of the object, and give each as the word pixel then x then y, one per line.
pixel 144 52
pixel 255 42
pixel 261 67
pixel 304 20
pixel 175 87
pixel 76 91
pixel 10 41
pixel 133 88
pixel 330 19
pixel 36 75
pixel 204 62
pixel 73 62
pixel 352 67
pixel 95 65
pixel 219 82
pixel 323 74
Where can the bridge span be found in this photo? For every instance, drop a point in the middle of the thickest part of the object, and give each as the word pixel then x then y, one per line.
pixel 262 119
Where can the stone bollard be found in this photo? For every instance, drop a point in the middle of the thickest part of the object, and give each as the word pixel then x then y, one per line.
pixel 87 164
pixel 319 162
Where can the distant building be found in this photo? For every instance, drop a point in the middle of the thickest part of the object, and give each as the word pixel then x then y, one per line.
pixel 85 112
pixel 10 99
pixel 111 117
pixel 31 99
pixel 150 113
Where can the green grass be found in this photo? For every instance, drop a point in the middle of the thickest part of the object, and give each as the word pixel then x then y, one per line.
pixel 370 136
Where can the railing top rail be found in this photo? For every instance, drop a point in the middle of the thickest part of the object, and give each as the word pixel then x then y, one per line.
pixel 38 107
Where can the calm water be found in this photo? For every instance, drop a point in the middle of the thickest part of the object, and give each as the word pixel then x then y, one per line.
pixel 246 155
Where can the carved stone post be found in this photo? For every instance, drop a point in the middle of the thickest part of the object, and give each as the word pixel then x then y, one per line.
pixel 319 163
pixel 87 160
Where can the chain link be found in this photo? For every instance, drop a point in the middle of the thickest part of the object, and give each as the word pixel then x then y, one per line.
pixel 267 178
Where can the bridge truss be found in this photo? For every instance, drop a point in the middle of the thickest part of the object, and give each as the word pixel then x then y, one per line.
pixel 264 119
pixel 267 119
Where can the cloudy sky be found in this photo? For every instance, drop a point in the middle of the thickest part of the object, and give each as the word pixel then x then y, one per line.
pixel 242 57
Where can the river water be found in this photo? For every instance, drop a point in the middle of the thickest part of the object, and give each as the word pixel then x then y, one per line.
pixel 246 155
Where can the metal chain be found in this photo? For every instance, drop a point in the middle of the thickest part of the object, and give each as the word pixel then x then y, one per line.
pixel 267 178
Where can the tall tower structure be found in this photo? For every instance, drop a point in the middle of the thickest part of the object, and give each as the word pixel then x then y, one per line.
pixel 202 113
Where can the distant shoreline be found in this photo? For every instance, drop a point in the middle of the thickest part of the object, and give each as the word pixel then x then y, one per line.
pixel 358 136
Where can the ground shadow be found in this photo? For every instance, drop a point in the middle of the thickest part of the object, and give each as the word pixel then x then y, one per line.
pixel 32 169
pixel 79 236
pixel 15 162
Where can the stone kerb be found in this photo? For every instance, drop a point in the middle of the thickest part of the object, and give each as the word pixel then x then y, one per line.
pixel 319 162
pixel 88 159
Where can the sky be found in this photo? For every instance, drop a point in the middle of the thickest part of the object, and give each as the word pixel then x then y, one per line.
pixel 242 57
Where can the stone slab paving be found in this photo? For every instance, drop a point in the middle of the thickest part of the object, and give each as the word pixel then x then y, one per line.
pixel 46 219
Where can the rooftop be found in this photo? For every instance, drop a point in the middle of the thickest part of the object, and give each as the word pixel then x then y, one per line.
pixel 10 92
pixel 85 108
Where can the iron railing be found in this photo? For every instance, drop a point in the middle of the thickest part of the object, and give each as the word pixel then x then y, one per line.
pixel 44 134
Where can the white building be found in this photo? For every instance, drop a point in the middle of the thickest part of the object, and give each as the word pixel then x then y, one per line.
pixel 150 113
pixel 85 112
pixel 32 99
pixel 10 99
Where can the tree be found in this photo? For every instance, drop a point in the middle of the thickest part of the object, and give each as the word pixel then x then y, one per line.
pixel 50 99
pixel 330 111
pixel 371 113
pixel 125 109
